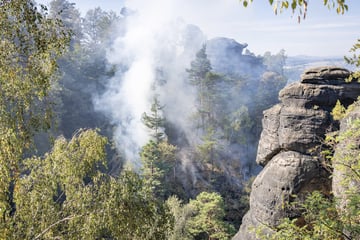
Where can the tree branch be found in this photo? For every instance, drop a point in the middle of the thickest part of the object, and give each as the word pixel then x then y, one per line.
pixel 53 225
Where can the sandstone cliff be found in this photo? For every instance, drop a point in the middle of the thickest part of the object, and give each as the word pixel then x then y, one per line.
pixel 292 136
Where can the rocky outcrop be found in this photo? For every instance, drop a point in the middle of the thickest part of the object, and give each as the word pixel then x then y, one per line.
pixel 230 57
pixel 293 133
pixel 345 163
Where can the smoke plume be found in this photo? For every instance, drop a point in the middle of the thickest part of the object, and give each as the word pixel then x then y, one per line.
pixel 154 51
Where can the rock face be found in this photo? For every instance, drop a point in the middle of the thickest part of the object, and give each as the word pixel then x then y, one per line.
pixel 292 133
pixel 345 162
pixel 228 56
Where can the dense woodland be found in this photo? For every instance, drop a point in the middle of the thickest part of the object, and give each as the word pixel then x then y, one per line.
pixel 64 176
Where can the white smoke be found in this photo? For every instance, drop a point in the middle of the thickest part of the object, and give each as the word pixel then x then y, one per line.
pixel 155 38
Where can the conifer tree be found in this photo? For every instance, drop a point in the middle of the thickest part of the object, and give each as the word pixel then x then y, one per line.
pixel 207 221
pixel 155 121
pixel 158 156
pixel 201 77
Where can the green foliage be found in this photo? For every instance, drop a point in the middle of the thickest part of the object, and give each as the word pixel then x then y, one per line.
pixel 302 5
pixel 56 187
pixel 207 223
pixel 98 26
pixel 128 210
pixel 182 214
pixel 158 167
pixel 29 47
pixel 221 124
pixel 346 162
pixel 338 111
pixel 319 221
pixel 70 17
pixel 201 218
pixel 65 195
pixel 239 121
pixel 155 122
pixel 205 81
pixel 199 67
pixel 354 60
pixel 207 149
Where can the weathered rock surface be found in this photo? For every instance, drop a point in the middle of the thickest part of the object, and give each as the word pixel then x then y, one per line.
pixel 228 56
pixel 325 75
pixel 291 132
pixel 346 159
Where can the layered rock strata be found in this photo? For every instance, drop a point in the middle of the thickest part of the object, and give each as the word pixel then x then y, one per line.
pixel 292 136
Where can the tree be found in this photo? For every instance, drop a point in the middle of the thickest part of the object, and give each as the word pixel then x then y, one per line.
pixel 199 67
pixel 97 27
pixel 346 175
pixel 58 188
pixel 155 121
pixel 158 156
pixel 70 17
pixel 238 122
pixel 66 195
pixel 29 47
pixel 275 63
pixel 159 167
pixel 84 71
pixel 354 59
pixel 301 6
pixel 338 111
pixel 151 159
pixel 205 81
pixel 208 151
pixel 207 221
pixel 321 222
pixel 182 214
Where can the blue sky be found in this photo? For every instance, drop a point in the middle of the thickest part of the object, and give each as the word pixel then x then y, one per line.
pixel 322 33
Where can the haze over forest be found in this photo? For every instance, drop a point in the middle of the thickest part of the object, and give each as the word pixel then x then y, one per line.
pixel 134 122
pixel 322 33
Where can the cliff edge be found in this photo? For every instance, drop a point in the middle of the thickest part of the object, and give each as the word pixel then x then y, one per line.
pixel 292 136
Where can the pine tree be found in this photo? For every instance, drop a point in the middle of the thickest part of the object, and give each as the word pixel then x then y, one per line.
pixel 155 121
pixel 158 156
pixel 203 79
pixel 207 221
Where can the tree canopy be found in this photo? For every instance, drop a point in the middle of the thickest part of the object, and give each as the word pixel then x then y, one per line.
pixel 30 45
pixel 66 193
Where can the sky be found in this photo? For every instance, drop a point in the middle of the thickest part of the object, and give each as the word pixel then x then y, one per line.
pixel 322 33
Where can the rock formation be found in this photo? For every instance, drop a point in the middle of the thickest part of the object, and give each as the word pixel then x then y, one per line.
pixel 292 136
pixel 230 57
pixel 345 163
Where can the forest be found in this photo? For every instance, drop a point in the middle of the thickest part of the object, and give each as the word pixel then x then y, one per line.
pixel 104 137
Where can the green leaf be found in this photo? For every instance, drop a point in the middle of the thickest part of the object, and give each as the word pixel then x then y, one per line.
pixel 285 4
